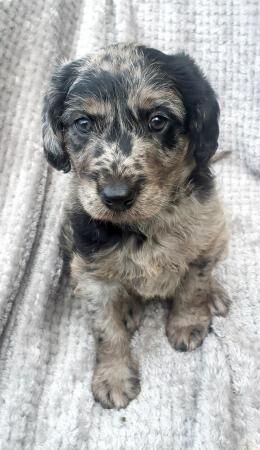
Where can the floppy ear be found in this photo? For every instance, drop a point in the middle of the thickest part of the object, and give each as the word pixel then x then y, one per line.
pixel 201 106
pixel 52 127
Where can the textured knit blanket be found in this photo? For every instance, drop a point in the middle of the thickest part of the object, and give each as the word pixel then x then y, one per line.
pixel 205 400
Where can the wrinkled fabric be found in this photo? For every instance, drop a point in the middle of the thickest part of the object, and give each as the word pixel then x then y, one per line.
pixel 208 399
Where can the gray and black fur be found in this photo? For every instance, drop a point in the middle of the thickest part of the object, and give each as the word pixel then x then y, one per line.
pixel 137 129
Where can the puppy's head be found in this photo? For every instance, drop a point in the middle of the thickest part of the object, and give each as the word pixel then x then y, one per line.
pixel 132 124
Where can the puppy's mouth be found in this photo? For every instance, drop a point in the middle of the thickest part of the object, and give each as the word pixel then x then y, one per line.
pixel 123 201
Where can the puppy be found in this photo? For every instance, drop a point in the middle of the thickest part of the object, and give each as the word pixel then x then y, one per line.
pixel 138 128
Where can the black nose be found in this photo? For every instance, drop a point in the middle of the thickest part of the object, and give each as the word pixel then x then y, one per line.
pixel 118 195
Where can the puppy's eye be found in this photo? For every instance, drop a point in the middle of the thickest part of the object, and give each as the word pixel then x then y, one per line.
pixel 83 124
pixel 157 123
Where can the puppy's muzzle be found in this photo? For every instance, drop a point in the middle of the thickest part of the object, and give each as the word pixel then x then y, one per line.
pixel 118 195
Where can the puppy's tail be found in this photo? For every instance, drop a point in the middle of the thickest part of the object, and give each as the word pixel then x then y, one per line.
pixel 221 155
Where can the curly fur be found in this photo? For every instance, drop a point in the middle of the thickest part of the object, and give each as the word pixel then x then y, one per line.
pixel 168 242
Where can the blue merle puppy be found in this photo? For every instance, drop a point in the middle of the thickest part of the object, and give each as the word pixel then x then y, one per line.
pixel 137 129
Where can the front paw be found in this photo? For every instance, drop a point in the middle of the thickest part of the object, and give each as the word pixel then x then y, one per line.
pixel 186 338
pixel 115 385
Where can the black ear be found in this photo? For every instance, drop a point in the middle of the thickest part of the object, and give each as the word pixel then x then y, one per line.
pixel 52 127
pixel 201 106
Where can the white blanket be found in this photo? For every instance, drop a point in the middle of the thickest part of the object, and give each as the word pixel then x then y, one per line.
pixel 205 400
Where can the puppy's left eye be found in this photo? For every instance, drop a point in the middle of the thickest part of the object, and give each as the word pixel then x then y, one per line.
pixel 83 124
pixel 157 123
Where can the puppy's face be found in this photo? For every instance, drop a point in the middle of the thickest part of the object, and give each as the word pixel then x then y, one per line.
pixel 131 123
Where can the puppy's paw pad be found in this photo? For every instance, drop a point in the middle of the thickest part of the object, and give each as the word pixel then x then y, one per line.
pixel 187 338
pixel 115 387
pixel 219 302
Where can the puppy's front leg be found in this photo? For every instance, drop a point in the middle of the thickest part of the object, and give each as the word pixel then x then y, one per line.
pixel 196 300
pixel 113 313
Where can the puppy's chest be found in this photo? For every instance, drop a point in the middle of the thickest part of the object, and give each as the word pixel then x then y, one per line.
pixel 149 264
pixel 156 271
pixel 151 268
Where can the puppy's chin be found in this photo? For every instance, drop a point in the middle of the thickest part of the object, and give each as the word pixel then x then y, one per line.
pixel 136 214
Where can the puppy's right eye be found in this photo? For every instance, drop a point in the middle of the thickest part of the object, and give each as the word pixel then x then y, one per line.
pixel 83 124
